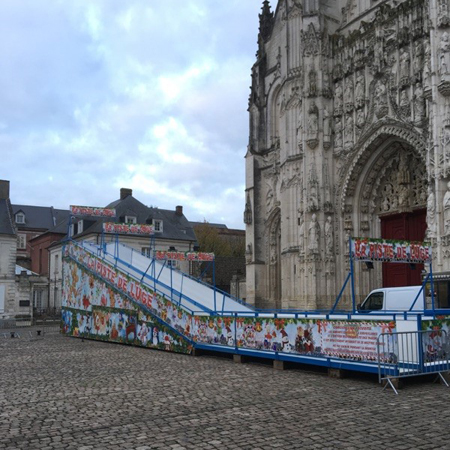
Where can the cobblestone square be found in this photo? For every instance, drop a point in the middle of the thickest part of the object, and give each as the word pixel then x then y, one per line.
pixel 60 392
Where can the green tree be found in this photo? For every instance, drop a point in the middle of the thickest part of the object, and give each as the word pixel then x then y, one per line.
pixel 211 240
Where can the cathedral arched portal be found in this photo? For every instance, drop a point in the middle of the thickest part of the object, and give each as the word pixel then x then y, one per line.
pixel 385 195
pixel 274 251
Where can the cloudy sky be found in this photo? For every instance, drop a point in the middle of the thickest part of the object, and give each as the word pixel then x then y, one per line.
pixel 151 95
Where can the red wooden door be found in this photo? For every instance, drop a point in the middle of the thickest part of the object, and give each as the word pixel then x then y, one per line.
pixel 411 227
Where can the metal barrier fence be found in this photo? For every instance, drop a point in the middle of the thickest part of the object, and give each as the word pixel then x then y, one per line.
pixel 411 354
pixel 28 328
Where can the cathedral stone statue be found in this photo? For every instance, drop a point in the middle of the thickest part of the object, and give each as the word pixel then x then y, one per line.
pixel 447 210
pixel 313 235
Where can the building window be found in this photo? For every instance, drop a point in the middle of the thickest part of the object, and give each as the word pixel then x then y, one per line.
pixel 172 263
pixel 146 251
pixel 20 218
pixel 21 241
pixel 158 225
pixel 80 226
pixel 130 219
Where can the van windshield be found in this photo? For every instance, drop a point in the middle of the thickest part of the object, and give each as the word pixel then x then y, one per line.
pixel 374 302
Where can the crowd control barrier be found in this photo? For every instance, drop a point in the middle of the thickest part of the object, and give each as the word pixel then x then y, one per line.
pixel 411 354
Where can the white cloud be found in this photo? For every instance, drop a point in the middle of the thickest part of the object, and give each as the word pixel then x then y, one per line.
pixel 100 95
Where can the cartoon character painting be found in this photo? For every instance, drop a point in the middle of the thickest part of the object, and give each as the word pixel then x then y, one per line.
pixel 285 344
pixel 155 340
pixel 230 340
pixel 268 336
pixel 143 334
pixel 168 342
pixel 114 332
pixel 67 321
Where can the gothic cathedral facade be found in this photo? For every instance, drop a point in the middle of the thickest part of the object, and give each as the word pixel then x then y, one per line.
pixel 349 136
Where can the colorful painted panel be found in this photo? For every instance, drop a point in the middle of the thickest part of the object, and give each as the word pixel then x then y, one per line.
pixel 112 299
pixel 323 338
pixel 436 343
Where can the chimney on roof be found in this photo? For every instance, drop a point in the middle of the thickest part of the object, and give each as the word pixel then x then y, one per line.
pixel 179 210
pixel 4 190
pixel 124 193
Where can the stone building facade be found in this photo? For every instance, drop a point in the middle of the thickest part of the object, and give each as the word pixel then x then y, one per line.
pixel 349 136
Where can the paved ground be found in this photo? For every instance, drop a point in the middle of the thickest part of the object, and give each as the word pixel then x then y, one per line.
pixel 64 393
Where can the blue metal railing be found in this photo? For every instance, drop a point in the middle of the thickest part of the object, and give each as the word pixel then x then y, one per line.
pixel 177 296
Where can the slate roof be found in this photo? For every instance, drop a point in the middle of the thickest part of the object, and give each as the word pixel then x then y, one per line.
pixel 20 269
pixel 6 218
pixel 40 217
pixel 214 225
pixel 175 227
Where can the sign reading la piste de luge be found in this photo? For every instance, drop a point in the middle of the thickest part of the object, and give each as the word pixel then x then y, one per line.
pixel 92 211
pixel 367 249
pixel 128 228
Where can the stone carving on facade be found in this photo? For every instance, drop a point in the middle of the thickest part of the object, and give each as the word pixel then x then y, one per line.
pixel 405 61
pixel 275 235
pixel 338 144
pixel 364 227
pixel 311 41
pixel 348 96
pixel 381 100
pixel 443 14
pixel 313 236
pixel 348 132
pixel 360 91
pixel 426 74
pixel 313 126
pixel 389 202
pixel 418 61
pixel 446 204
pixel 326 85
pixel 313 191
pixel 347 63
pixel 359 56
pixel 248 215
pixel 294 99
pixel 419 105
pixel 338 93
pixel 444 64
pixel 338 73
pixel 329 238
pixel 312 83
pixel 401 184
pixel 405 104
pixel 326 129
pixel 445 145
pixel 299 131
pixel 265 21
pixel 378 55
pixel 360 121
pixel 327 203
pixel 431 215
pixel 301 235
pixel 295 8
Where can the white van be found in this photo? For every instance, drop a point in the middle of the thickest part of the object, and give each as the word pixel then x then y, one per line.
pixel 393 299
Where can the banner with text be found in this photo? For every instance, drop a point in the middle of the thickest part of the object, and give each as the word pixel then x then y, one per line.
pixel 184 256
pixel 92 211
pixel 368 249
pixel 128 228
